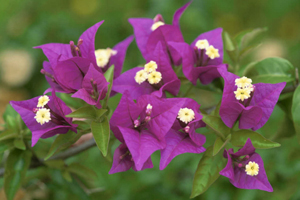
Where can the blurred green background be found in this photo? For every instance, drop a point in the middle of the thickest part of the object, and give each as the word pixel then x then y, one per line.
pixel 28 23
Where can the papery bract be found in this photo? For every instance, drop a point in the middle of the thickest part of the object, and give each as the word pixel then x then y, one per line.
pixel 187 141
pixel 195 63
pixel 169 82
pixel 179 143
pixel 123 161
pixel 59 124
pixel 235 169
pixel 147 38
pixel 86 49
pixel 93 88
pixel 143 129
pixel 252 113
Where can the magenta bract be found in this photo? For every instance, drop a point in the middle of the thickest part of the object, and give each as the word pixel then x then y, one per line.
pixel 195 63
pixel 235 169
pixel 169 82
pixel 59 124
pixel 147 39
pixel 253 114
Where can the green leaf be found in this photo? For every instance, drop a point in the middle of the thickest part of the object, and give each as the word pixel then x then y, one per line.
pixel 216 111
pixel 109 75
pixel 12 124
pixel 250 39
pixel 82 171
pixel 270 70
pixel 9 111
pixel 220 144
pixel 207 172
pixel 207 99
pixel 286 104
pixel 55 164
pixel 101 133
pixel 87 112
pixel 19 144
pixel 70 101
pixel 239 138
pixel 15 170
pixel 217 125
pixel 6 145
pixel 286 128
pixel 63 141
pixel 8 134
pixel 296 111
pixel 228 43
pixel 82 125
pixel 100 113
pixel 67 176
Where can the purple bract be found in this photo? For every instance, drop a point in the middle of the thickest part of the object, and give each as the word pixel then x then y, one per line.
pixel 196 64
pixel 253 112
pixel 245 169
pixel 169 81
pixel 142 126
pixel 55 123
pixel 148 32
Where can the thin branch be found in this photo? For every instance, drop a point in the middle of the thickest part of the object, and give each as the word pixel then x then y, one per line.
pixel 64 155
pixel 75 150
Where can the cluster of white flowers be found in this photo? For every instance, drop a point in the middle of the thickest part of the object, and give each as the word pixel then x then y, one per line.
pixel 148 73
pixel 244 88
pixel 156 25
pixel 211 52
pixel 186 115
pixel 43 115
pixel 103 56
pixel 252 169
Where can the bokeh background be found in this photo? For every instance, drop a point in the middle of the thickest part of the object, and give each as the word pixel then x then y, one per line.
pixel 28 23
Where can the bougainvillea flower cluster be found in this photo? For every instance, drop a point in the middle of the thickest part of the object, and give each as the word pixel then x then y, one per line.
pixel 245 169
pixel 145 120
pixel 149 32
pixel 45 116
pixel 203 57
pixel 156 77
pixel 149 125
pixel 102 59
pixel 251 105
pixel 182 137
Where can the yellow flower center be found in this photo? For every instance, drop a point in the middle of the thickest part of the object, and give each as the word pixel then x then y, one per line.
pixel 154 77
pixel 149 106
pixel 244 88
pixel 103 56
pixel 242 93
pixel 243 82
pixel 150 66
pixel 156 25
pixel 202 44
pixel 212 53
pixel 252 169
pixel 43 100
pixel 141 76
pixel 186 115
pixel 43 116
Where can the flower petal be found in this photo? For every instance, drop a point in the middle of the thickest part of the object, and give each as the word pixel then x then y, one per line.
pixel 266 96
pixel 178 14
pixel 118 59
pixel 142 31
pixel 141 145
pixel 87 48
pixel 214 38
pixel 177 143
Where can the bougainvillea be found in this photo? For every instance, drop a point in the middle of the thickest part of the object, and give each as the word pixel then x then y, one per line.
pixel 159 109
